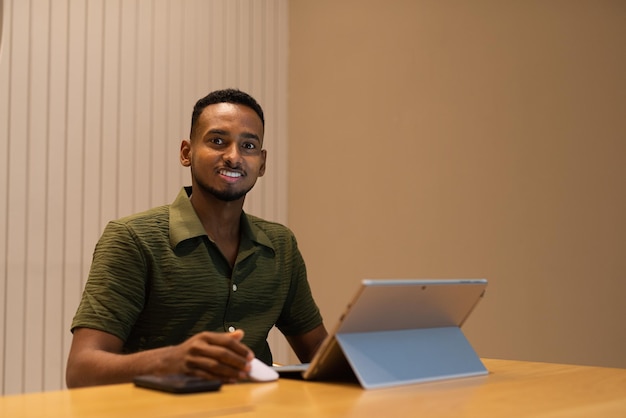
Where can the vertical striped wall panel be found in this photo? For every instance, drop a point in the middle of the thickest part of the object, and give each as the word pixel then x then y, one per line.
pixel 95 97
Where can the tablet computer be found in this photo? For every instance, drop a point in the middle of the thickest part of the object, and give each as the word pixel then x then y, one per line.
pixel 387 308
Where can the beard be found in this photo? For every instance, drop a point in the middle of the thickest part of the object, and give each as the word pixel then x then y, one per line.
pixel 223 195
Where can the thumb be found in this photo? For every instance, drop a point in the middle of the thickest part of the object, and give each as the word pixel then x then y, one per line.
pixel 237 334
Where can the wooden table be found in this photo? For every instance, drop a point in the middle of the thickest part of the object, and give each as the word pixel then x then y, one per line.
pixel 512 389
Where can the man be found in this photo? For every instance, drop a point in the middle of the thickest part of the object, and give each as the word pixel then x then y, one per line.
pixel 194 287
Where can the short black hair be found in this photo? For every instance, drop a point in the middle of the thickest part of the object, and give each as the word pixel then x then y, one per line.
pixel 225 96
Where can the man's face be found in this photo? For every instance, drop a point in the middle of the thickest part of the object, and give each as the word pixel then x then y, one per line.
pixel 225 153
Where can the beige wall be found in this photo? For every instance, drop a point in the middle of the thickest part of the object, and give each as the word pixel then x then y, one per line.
pixel 468 139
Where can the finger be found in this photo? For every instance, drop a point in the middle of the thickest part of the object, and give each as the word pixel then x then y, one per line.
pixel 217 367
pixel 218 354
pixel 238 336
pixel 231 341
pixel 225 372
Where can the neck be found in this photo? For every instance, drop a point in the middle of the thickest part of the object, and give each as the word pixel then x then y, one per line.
pixel 220 219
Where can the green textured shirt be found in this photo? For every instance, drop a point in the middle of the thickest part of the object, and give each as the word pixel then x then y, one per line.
pixel 156 279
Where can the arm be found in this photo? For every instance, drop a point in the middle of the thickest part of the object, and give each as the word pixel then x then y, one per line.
pixel 305 346
pixel 96 358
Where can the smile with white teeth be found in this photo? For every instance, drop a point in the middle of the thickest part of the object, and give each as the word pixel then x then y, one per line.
pixel 230 173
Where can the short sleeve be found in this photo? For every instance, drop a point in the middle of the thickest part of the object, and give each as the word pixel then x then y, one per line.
pixel 115 291
pixel 300 313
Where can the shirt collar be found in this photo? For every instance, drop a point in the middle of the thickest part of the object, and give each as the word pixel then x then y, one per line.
pixel 185 224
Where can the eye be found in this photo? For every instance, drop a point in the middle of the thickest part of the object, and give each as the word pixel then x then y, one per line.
pixel 248 145
pixel 217 141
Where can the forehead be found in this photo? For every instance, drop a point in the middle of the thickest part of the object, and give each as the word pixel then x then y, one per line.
pixel 231 116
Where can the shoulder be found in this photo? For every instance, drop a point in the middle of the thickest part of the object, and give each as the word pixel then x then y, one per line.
pixel 146 217
pixel 143 225
pixel 273 230
pixel 150 219
pixel 272 235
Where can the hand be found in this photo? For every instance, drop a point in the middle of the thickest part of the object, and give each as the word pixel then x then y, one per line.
pixel 211 355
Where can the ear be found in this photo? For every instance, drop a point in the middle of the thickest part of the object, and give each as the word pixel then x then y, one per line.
pixel 263 158
pixel 185 153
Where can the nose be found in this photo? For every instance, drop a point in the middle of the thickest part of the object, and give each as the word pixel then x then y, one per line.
pixel 232 155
